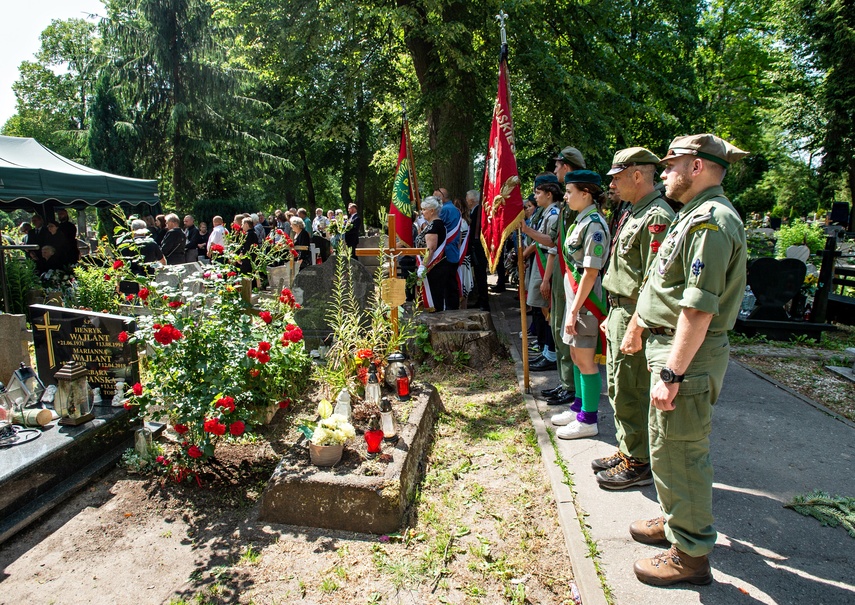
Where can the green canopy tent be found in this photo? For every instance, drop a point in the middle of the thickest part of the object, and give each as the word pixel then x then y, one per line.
pixel 35 178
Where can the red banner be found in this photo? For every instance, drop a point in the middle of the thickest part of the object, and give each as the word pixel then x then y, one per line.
pixel 402 205
pixel 502 208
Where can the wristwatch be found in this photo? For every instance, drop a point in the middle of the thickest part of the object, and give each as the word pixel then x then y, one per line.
pixel 667 375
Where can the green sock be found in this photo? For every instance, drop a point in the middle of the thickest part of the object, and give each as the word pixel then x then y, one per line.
pixel 577 381
pixel 592 384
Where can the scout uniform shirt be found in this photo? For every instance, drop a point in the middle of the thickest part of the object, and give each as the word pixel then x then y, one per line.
pixel 700 265
pixel 635 244
pixel 587 246
pixel 548 225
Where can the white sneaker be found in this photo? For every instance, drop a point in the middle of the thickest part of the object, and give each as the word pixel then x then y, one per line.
pixel 577 430
pixel 564 418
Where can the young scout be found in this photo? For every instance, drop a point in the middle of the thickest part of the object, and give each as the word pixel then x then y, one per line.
pixel 689 301
pixel 639 232
pixel 568 160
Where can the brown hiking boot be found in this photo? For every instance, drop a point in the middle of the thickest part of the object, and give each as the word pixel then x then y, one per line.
pixel 604 464
pixel 650 531
pixel 673 566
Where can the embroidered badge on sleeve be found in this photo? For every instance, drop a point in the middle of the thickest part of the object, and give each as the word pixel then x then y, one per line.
pixel 654 245
pixel 598 249
pixel 598 236
pixel 657 228
pixel 696 267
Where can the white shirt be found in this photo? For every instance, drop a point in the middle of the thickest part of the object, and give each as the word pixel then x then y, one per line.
pixel 217 236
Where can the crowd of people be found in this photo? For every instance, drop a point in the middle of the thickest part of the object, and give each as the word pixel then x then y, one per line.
pixel 56 241
pixel 652 292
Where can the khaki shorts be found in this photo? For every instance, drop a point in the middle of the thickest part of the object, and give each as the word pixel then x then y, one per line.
pixel 587 332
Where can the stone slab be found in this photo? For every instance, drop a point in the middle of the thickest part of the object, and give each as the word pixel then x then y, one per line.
pixel 318 497
pixel 29 470
pixel 468 331
pixel 13 344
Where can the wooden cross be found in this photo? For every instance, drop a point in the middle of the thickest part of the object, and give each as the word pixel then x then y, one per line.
pixel 393 251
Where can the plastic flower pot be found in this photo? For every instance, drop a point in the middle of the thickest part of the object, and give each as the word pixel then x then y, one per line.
pixel 325 455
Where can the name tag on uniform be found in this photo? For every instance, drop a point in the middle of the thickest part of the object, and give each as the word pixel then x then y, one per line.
pixel 709 226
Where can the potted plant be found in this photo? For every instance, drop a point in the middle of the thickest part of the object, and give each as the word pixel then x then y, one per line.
pixel 328 436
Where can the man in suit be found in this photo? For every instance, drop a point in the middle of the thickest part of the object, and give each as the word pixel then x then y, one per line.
pixel 192 240
pixel 67 228
pixel 173 243
pixel 477 255
pixel 353 227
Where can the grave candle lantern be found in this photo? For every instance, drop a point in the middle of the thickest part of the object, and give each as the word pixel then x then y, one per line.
pixel 25 388
pixel 72 401
pixel 387 421
pixel 373 438
pixel 372 388
pixel 402 384
pixel 6 406
pixel 394 362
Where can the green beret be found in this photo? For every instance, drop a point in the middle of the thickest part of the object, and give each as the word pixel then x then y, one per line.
pixel 706 146
pixel 545 178
pixel 572 156
pixel 633 156
pixel 583 176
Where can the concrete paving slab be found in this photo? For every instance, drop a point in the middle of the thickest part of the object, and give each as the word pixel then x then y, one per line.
pixel 768 445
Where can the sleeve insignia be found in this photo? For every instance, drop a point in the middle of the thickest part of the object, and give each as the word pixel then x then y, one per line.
pixel 696 267
pixel 598 250
pixel 710 226
pixel 597 237
pixel 657 228
pixel 654 245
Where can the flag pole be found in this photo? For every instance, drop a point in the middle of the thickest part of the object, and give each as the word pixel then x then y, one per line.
pixel 501 18
pixel 414 182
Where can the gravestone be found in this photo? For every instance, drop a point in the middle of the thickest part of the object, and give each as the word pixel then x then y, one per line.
pixel 61 335
pixel 313 289
pixel 175 276
pixel 775 283
pixel 372 241
pixel 13 344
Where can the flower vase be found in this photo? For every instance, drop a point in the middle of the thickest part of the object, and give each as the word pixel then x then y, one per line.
pixel 325 455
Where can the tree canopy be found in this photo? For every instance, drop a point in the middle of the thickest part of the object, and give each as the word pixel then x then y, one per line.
pixel 298 103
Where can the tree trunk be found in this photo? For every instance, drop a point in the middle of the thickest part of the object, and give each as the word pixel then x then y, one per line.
pixel 344 191
pixel 363 156
pixel 307 176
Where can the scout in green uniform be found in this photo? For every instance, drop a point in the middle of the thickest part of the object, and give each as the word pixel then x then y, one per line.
pixel 638 234
pixel 584 253
pixel 689 301
pixel 542 235
pixel 568 160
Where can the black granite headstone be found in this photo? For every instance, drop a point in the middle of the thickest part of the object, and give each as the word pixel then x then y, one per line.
pixel 90 338
pixel 775 283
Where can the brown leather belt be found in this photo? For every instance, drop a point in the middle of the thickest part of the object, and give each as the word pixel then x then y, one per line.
pixel 620 301
pixel 659 331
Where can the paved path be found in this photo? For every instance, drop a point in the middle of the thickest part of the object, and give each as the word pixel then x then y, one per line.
pixel 768 445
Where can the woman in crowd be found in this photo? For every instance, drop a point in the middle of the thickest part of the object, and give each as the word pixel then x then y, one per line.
pixel 159 228
pixel 245 250
pixel 585 251
pixel 203 239
pixel 432 237
pixel 301 238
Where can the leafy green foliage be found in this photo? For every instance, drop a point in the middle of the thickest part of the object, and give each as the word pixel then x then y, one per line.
pixel 830 511
pixel 797 233
pixel 20 280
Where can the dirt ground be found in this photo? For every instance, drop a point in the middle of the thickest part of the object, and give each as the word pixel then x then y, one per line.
pixel 484 527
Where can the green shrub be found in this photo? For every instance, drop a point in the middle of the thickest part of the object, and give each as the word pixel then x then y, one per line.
pixel 20 279
pixel 797 233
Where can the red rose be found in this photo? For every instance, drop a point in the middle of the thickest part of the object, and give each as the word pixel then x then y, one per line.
pixel 180 428
pixel 106 277
pixel 295 335
pixel 266 317
pixel 263 358
pixel 227 403
pixel 137 389
pixel 298 306
pixel 160 459
pixel 362 375
pixel 285 403
pixel 157 326
pixel 252 353
pixel 123 336
pixel 237 428
pixel 194 452
pixel 254 373
pixel 118 264
pixel 175 304
pixel 143 293
pixel 127 405
pixel 215 427
pixel 216 249
pixel 264 346
pixel 235 227
pixel 129 297
pixel 231 274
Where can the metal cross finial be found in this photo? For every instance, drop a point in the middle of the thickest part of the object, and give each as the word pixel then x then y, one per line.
pixel 501 19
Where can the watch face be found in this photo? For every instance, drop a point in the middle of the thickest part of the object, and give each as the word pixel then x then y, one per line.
pixel 666 375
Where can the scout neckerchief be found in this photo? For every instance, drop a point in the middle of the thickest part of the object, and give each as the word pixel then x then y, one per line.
pixel 427 297
pixel 593 303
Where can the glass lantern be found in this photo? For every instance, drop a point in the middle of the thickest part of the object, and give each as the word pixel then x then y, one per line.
pixel 374 438
pixel 25 388
pixel 6 407
pixel 394 362
pixel 402 384
pixel 387 421
pixel 73 402
pixel 372 387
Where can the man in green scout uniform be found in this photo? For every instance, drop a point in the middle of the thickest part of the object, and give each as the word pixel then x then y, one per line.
pixel 689 301
pixel 568 160
pixel 639 232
